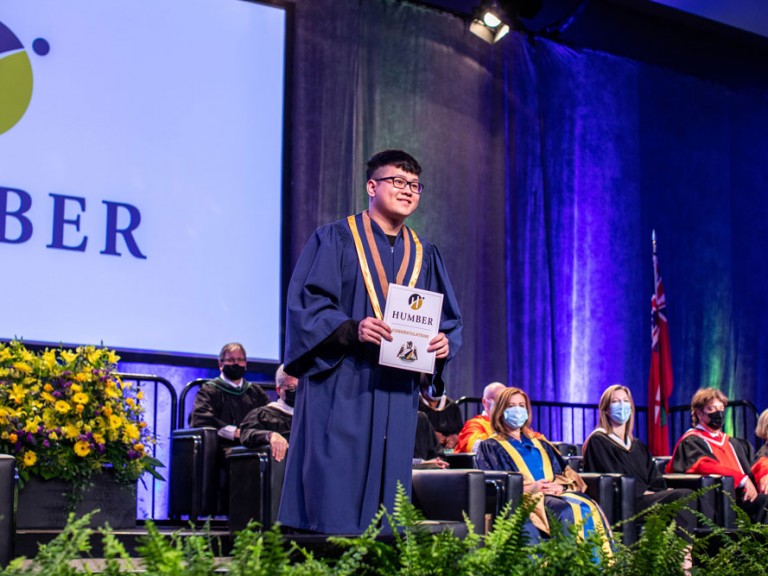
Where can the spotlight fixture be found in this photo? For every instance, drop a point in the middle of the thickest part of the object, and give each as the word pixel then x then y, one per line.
pixel 489 22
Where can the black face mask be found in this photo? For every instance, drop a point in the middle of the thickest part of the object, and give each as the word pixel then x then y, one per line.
pixel 290 397
pixel 715 420
pixel 233 371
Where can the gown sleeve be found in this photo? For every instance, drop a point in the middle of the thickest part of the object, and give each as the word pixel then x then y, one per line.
pixel 318 331
pixel 597 457
pixel 207 408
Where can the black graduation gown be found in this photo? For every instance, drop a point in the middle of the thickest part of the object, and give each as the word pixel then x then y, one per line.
pixel 218 404
pixel 603 455
pixel 256 426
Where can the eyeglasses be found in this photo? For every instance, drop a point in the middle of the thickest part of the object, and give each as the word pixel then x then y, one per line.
pixel 401 183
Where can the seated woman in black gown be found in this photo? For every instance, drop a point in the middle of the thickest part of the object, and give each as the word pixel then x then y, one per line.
pixel 612 448
pixel 514 446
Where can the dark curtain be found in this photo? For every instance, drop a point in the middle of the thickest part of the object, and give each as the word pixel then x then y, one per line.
pixel 545 170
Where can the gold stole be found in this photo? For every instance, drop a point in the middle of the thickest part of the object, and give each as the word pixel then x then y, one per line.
pixel 569 479
pixel 520 462
pixel 379 267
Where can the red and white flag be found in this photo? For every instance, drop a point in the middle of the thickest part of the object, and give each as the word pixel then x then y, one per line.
pixel 660 379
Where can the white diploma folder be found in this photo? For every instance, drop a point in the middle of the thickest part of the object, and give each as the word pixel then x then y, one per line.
pixel 414 317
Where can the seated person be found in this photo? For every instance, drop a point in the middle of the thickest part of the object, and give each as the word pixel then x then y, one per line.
pixel 426 449
pixel 706 449
pixel 611 448
pixel 560 490
pixel 271 424
pixel 762 432
pixel 444 415
pixel 223 402
pixel 479 427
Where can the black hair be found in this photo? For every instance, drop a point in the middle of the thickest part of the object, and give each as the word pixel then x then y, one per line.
pixel 396 158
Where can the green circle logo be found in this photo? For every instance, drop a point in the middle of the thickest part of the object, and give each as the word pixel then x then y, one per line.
pixel 15 79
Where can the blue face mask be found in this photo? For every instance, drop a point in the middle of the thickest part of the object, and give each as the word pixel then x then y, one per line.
pixel 516 416
pixel 620 412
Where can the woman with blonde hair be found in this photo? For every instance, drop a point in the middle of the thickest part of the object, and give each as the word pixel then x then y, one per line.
pixel 760 468
pixel 515 446
pixel 611 448
pixel 762 432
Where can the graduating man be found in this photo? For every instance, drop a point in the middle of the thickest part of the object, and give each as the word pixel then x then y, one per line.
pixel 355 421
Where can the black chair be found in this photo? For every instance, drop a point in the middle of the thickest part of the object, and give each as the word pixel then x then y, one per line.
pixel 501 488
pixel 194 473
pixel 615 494
pixel 444 496
pixel 7 489
pixel 460 460
pixel 715 503
pixel 567 449
pixel 255 487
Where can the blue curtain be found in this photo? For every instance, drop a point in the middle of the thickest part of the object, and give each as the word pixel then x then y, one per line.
pixel 546 168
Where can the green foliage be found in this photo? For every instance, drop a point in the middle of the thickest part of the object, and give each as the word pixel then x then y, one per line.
pixel 116 558
pixel 259 553
pixel 506 544
pixel 659 550
pixel 401 544
pixel 54 558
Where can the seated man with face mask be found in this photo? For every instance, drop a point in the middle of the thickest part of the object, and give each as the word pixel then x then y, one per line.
pixel 271 424
pixel 223 402
pixel 706 449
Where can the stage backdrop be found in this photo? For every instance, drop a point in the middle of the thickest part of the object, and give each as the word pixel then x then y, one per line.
pixel 545 170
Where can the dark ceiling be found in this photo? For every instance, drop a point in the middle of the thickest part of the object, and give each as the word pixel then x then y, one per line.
pixel 640 30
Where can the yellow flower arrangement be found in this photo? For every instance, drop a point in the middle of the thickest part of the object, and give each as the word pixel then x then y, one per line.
pixel 65 414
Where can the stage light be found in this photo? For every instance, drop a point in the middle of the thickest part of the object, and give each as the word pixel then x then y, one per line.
pixel 488 22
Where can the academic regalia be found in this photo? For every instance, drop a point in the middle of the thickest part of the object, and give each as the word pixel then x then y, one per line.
pixel 474 430
pixel 699 451
pixel 219 404
pixel 354 421
pixel 257 425
pixel 426 446
pixel 446 418
pixel 607 454
pixel 536 459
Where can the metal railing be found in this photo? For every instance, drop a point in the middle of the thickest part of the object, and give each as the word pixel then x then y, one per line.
pixel 160 407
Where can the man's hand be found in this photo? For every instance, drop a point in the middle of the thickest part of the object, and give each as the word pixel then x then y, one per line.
pixel 279 446
pixel 439 344
pixel 750 492
pixel 436 463
pixel 373 330
pixel 451 441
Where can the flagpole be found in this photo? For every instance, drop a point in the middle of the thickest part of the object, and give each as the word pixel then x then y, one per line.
pixel 653 240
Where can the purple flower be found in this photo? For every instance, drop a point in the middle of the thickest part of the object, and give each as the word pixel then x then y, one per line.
pixel 56 394
pixel 46 443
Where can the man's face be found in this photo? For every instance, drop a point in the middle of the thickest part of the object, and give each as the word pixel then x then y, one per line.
pixel 234 356
pixel 288 383
pixel 389 201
